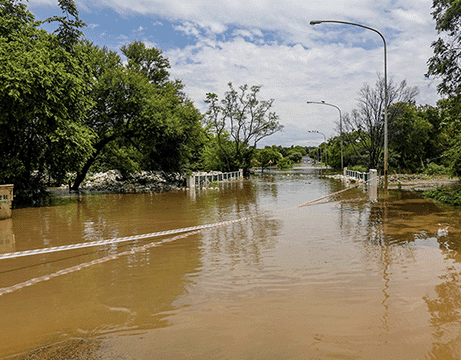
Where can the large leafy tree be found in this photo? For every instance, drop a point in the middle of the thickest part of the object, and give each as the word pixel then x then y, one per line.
pixel 409 137
pixel 242 118
pixel 445 65
pixel 67 105
pixel 43 100
pixel 139 114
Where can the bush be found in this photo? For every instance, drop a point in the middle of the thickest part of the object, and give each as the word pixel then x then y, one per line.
pixel 284 164
pixel 444 195
pixel 358 168
pixel 434 169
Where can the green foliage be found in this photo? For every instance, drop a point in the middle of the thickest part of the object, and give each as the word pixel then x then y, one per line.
pixel 444 195
pixel 148 62
pixel 447 49
pixel 358 168
pixel 366 125
pixel 242 118
pixel 285 164
pixel 409 136
pixel 141 114
pixel 295 156
pixel 44 87
pixel 434 169
pixel 68 106
pixel 268 156
pixel 214 157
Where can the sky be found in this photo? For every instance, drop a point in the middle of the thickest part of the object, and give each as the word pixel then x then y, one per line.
pixel 270 43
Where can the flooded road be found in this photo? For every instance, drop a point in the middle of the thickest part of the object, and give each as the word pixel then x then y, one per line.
pixel 354 277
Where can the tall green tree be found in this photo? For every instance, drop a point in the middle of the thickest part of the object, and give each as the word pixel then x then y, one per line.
pixel 140 114
pixel 43 96
pixel 243 118
pixel 444 65
pixel 408 138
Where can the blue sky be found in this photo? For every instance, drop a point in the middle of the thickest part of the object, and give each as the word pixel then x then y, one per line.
pixel 270 43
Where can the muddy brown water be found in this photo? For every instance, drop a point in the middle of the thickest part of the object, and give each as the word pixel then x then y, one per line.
pixel 356 277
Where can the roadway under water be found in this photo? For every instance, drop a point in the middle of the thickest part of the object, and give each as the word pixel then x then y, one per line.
pixel 356 277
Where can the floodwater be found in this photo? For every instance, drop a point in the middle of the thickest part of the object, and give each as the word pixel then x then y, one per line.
pixel 356 276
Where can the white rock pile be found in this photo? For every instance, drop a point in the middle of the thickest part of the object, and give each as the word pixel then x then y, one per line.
pixel 143 182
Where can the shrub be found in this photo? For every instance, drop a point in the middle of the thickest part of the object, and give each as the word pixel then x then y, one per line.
pixel 358 168
pixel 284 164
pixel 434 169
pixel 444 195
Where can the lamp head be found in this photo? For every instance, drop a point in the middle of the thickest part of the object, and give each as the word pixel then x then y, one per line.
pixel 315 22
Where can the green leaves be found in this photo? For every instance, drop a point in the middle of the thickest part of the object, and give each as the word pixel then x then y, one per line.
pixel 242 117
pixel 67 105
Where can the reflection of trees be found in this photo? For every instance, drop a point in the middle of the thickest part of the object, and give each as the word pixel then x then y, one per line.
pixel 242 241
pixel 445 309
pixel 6 236
pixel 386 228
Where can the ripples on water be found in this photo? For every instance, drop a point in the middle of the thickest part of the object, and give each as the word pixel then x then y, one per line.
pixel 356 276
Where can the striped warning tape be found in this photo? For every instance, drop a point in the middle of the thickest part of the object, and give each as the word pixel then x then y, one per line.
pixel 41 251
pixel 188 232
pixel 75 268
pixel 112 241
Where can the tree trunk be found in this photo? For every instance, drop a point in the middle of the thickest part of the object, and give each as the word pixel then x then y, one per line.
pixel 82 173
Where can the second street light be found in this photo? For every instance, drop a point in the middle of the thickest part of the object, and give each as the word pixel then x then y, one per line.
pixel 340 126
pixel 316 22
pixel 325 138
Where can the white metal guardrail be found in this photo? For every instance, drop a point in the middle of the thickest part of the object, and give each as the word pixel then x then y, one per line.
pixel 363 176
pixel 203 178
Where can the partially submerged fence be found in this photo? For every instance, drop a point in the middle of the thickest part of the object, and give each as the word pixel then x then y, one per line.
pixel 203 178
pixel 370 177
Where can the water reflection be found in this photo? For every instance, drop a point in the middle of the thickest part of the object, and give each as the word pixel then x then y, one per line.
pixel 445 310
pixel 354 277
pixel 6 236
pixel 394 229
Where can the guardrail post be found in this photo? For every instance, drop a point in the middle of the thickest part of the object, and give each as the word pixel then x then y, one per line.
pixel 374 177
pixel 191 181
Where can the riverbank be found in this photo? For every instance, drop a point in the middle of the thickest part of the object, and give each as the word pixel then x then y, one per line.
pixel 419 182
pixel 150 182
pixel 410 182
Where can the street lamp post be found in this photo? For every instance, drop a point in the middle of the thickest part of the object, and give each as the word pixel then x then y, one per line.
pixel 340 126
pixel 316 22
pixel 325 138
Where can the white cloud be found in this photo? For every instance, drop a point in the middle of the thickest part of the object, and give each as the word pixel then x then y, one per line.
pixel 270 43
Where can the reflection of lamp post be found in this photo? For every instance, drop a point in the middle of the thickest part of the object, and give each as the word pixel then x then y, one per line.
pixel 318 132
pixel 340 126
pixel 385 84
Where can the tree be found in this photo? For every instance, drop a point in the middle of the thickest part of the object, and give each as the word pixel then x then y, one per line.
pixel 245 119
pixel 140 114
pixel 43 96
pixel 409 136
pixel 68 105
pixel 267 157
pixel 447 49
pixel 367 123
pixel 444 64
